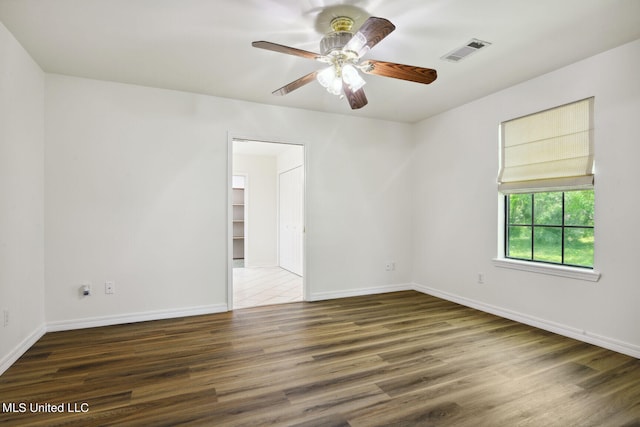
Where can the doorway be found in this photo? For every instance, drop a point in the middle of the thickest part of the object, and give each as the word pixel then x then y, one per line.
pixel 267 223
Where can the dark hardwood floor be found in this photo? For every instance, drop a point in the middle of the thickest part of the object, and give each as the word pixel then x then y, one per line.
pixel 398 359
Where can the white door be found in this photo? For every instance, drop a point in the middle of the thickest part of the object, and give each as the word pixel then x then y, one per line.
pixel 291 220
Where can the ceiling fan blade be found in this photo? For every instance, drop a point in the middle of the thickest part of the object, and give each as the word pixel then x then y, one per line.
pixel 288 50
pixel 356 99
pixel 295 84
pixel 399 71
pixel 370 34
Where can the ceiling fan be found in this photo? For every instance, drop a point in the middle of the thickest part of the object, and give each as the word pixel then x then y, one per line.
pixel 343 50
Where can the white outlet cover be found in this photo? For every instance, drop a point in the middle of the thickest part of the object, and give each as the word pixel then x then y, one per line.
pixel 109 287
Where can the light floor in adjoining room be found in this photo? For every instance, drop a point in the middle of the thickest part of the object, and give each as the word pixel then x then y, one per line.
pixel 265 286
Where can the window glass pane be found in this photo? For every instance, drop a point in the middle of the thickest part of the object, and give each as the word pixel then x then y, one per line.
pixel 547 244
pixel 578 246
pixel 547 208
pixel 519 245
pixel 540 226
pixel 578 206
pixel 520 209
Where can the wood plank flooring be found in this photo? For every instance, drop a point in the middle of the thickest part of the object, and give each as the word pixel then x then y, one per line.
pixel 398 359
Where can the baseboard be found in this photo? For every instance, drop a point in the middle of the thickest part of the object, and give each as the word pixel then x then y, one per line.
pixel 21 348
pixel 93 322
pixel 320 296
pixel 560 329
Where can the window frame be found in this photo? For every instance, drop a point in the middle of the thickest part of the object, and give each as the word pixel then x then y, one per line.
pixel 562 227
pixel 544 268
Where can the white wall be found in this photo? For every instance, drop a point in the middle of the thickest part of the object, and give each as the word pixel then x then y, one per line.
pixel 136 192
pixel 261 241
pixel 456 203
pixel 21 199
pixel 290 158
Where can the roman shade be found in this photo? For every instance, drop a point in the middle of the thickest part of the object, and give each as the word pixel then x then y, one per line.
pixel 548 151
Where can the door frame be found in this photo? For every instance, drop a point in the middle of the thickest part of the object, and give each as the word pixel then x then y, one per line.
pixel 231 137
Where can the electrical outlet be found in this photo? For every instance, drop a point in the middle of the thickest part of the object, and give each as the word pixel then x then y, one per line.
pixel 5 315
pixel 109 287
pixel 85 289
pixel 390 266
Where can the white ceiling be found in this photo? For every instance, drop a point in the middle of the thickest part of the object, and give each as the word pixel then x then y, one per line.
pixel 204 46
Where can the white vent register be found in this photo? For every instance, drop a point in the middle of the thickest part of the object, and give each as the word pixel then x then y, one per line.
pixel 462 52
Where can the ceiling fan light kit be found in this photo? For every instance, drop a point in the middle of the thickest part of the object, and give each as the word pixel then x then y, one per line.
pixel 342 50
pixel 335 47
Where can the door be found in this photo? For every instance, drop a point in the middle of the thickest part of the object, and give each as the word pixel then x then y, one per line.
pixel 291 227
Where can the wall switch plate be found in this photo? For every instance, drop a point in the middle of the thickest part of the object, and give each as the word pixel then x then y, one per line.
pixel 480 278
pixel 109 287
pixel 5 317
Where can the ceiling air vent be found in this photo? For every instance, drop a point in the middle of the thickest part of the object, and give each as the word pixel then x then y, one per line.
pixel 460 53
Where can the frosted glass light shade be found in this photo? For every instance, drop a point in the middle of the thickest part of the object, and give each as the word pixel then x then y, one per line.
pixel 352 78
pixel 336 86
pixel 326 76
pixel 357 45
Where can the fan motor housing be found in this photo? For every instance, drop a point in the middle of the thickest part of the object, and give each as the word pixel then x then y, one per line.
pixel 333 41
pixel 338 37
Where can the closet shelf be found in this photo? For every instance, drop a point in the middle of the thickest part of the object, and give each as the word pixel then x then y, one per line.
pixel 238 203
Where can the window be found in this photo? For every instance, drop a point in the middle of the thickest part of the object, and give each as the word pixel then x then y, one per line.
pixel 546 176
pixel 554 227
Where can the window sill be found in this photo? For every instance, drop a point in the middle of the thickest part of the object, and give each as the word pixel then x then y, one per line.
pixel 554 270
